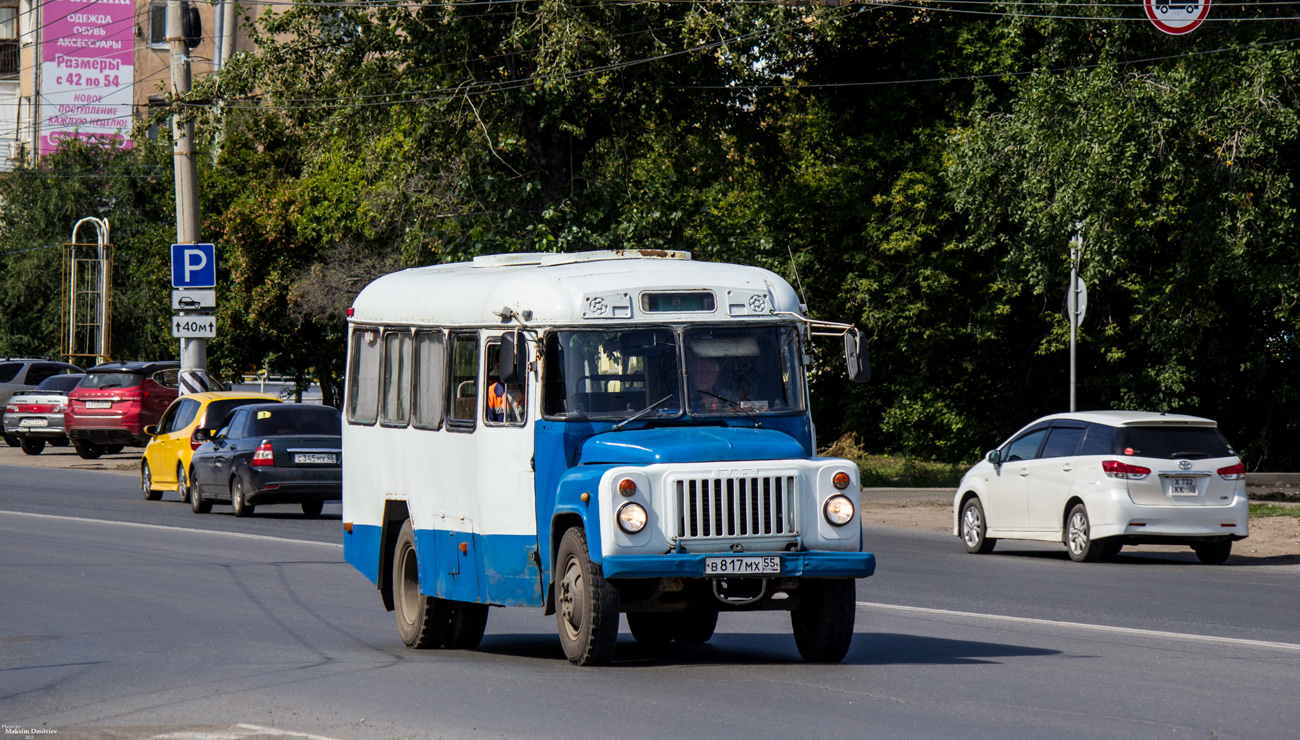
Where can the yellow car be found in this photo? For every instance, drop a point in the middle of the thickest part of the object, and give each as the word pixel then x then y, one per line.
pixel 172 442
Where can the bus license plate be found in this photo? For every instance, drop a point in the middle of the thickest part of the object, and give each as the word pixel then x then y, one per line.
pixel 99 404
pixel 742 566
pixel 1182 487
pixel 34 423
pixel 315 458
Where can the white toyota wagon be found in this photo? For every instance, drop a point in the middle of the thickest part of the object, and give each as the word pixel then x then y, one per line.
pixel 1099 480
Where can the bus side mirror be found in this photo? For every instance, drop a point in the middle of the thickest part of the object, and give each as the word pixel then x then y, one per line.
pixel 855 356
pixel 513 358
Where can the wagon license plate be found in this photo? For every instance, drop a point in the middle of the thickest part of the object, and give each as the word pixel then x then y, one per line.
pixel 34 423
pixel 315 458
pixel 99 404
pixel 742 566
pixel 1182 487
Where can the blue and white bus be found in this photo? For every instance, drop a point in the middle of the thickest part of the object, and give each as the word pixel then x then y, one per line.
pixel 595 434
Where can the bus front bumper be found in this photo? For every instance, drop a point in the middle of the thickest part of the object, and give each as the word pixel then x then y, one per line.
pixel 815 564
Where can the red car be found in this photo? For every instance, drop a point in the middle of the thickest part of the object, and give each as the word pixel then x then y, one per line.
pixel 115 402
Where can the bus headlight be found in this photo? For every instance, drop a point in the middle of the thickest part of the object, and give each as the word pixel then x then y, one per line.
pixel 631 517
pixel 838 510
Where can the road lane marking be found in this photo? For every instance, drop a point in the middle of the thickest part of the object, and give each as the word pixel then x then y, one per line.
pixel 1086 626
pixel 170 528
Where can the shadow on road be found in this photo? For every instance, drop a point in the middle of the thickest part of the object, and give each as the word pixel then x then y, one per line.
pixel 1132 556
pixel 869 648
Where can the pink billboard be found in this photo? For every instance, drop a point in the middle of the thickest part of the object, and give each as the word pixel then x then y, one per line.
pixel 87 64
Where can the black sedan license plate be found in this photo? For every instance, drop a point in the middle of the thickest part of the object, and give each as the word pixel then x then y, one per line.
pixel 742 566
pixel 315 458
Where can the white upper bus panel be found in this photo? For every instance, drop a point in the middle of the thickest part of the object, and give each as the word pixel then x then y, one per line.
pixel 573 289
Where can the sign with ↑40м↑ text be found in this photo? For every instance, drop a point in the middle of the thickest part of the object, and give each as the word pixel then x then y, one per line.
pixel 87 71
pixel 194 327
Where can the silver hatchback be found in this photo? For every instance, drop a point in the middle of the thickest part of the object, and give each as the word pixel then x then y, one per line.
pixel 35 417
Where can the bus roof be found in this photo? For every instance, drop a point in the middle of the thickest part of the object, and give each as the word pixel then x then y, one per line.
pixel 572 289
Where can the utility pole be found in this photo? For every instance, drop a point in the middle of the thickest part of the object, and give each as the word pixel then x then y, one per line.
pixel 1072 304
pixel 194 351
pixel 38 68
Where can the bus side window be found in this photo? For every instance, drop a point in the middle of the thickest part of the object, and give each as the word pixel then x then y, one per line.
pixel 503 403
pixel 429 370
pixel 363 376
pixel 397 378
pixel 464 380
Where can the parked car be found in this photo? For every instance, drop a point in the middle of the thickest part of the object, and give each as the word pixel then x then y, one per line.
pixel 35 417
pixel 174 439
pixel 21 374
pixel 115 402
pixel 1099 480
pixel 284 453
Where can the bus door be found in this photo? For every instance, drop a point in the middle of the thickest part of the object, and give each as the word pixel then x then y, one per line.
pixel 455 468
pixel 508 519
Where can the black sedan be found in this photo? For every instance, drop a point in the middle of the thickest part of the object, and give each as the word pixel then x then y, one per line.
pixel 273 453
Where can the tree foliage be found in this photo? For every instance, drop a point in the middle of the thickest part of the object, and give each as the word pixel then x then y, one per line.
pixel 919 171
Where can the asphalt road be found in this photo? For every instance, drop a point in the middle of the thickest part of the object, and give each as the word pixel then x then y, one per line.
pixel 121 618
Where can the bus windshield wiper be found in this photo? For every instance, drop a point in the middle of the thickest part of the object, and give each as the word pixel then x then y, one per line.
pixel 640 413
pixel 733 405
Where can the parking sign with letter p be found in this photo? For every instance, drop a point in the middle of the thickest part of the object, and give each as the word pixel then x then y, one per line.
pixel 194 266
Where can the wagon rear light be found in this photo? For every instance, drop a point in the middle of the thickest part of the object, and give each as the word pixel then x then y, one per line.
pixel 1233 472
pixel 11 409
pixel 264 455
pixel 1124 471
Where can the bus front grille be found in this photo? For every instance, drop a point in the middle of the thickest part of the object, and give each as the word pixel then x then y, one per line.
pixel 742 507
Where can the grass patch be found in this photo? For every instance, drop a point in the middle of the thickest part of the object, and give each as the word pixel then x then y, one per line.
pixel 1266 510
pixel 889 471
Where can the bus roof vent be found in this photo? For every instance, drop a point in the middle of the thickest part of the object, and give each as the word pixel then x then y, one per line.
pixel 544 259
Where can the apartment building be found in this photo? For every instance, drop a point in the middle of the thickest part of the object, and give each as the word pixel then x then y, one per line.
pixel 89 68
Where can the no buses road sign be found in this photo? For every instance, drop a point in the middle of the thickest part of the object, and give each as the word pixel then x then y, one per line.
pixel 1177 19
pixel 194 266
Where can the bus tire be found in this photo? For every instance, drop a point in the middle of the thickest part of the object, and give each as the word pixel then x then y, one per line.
pixel 422 621
pixel 586 605
pixel 652 628
pixel 694 628
pixel 823 621
pixel 468 621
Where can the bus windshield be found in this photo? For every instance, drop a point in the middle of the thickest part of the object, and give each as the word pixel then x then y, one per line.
pixel 741 371
pixel 612 374
pixel 747 370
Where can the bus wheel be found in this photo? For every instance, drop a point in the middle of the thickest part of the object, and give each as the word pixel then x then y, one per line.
pixel 586 605
pixel 653 628
pixel 468 621
pixel 823 621
pixel 422 621
pixel 696 627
